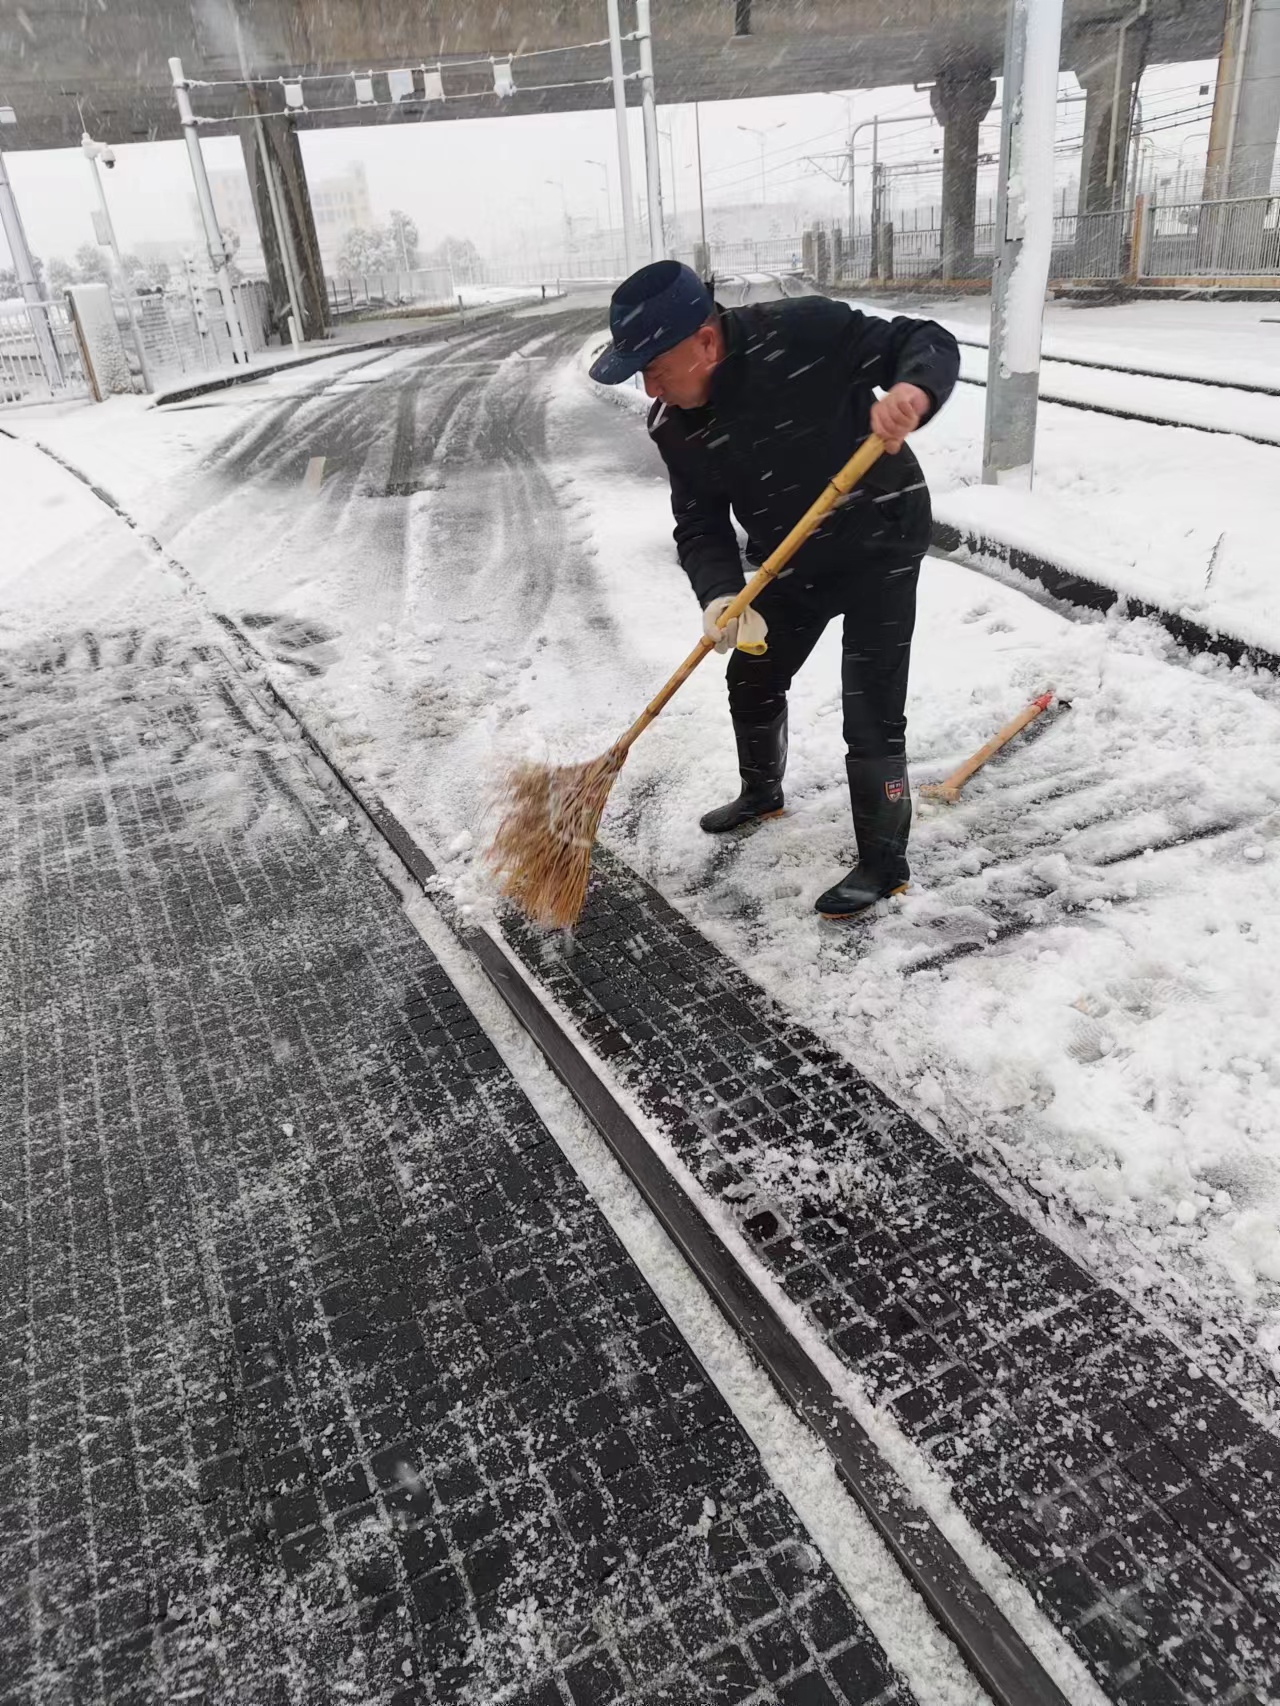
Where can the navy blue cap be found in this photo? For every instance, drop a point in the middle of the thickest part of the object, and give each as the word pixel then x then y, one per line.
pixel 652 311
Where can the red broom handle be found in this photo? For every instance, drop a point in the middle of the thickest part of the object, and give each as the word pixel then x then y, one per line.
pixel 837 487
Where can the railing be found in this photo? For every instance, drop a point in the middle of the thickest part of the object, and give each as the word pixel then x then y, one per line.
pixel 1184 241
pixel 39 355
pixel 425 287
pixel 1093 246
pixel 1213 239
pixel 185 330
pixel 777 254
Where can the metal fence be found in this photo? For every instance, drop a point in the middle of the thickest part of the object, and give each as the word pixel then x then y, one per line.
pixel 426 287
pixel 181 330
pixel 184 330
pixel 1170 243
pixel 39 354
pixel 591 269
pixel 780 254
pixel 1212 239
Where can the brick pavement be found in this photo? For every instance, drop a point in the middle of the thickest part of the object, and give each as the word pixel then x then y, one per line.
pixel 1138 1499
pixel 324 1380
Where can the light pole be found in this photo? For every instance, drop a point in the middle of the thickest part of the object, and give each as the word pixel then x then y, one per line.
pixel 760 132
pixel 38 310
pixel 219 260
pixel 1023 239
pixel 671 160
pixel 558 183
pixel 601 167
pixel 99 153
pixel 702 206
pixel 649 122
pixel 618 79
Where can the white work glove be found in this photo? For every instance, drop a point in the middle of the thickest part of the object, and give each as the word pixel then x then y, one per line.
pixel 746 633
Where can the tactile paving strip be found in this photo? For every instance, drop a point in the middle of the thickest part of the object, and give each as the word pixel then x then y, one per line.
pixel 1138 1499
pixel 324 1379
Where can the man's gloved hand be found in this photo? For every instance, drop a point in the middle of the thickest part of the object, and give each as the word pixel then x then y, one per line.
pixel 899 412
pixel 746 633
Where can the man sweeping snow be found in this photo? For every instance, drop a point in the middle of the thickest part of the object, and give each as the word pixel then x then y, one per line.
pixel 755 408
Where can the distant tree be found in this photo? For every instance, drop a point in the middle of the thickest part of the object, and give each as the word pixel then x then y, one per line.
pixel 458 253
pixel 91 264
pixel 404 240
pixel 145 275
pixel 61 274
pixel 9 285
pixel 231 243
pixel 368 251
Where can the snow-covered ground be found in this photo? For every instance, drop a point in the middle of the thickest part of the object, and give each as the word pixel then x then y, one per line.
pixel 1185 519
pixel 1081 986
pixel 1236 342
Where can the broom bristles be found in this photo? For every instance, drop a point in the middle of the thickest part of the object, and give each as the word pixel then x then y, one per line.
pixel 541 853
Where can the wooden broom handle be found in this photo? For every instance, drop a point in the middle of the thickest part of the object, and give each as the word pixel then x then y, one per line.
pixel 837 487
pixel 950 788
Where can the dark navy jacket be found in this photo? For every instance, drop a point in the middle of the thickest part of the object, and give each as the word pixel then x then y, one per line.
pixel 789 405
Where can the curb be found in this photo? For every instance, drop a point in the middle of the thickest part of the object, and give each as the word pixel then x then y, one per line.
pixel 970 545
pixel 224 381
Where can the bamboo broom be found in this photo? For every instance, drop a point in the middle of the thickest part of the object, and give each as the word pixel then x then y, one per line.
pixel 541 854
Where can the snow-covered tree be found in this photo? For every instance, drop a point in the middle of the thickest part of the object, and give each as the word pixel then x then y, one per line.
pixel 9 286
pixel 404 240
pixel 458 253
pixel 367 251
pixel 91 264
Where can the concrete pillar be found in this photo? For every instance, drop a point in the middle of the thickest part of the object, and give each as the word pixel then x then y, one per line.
pixel 821 256
pixel 1108 60
pixel 278 181
pixel 1246 107
pixel 960 101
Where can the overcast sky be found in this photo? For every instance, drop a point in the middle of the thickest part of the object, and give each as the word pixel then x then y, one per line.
pixel 487 178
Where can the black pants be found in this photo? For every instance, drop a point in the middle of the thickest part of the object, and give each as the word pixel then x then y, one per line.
pixel 878 603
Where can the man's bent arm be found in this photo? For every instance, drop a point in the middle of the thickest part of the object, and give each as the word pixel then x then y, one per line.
pixel 706 543
pixel 886 353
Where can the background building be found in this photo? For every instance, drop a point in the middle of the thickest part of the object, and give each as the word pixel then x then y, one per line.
pixel 340 203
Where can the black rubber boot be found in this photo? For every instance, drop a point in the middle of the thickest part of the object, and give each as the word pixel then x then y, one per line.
pixel 762 758
pixel 880 794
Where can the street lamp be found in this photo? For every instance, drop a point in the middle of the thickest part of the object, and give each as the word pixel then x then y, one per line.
pixel 671 160
pixel 601 167
pixel 760 132
pixel 102 153
pixel 558 183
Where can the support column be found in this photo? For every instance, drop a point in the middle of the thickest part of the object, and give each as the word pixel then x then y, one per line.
pixel 960 100
pixel 282 203
pixel 1024 239
pixel 1108 61
pixel 1246 108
